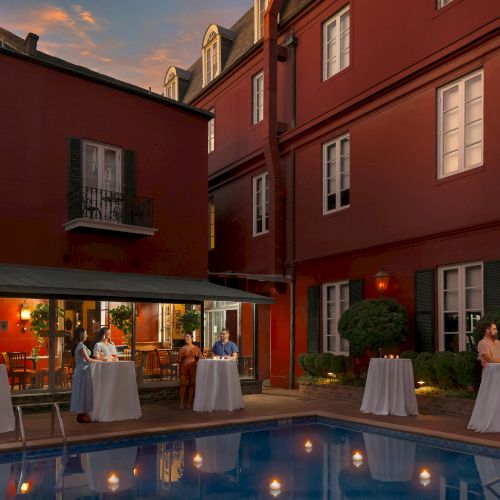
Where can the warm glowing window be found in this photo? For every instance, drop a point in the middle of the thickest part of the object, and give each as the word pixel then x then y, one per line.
pixel 211 57
pixel 211 133
pixel 460 125
pixel 211 224
pixel 170 85
pixel 442 3
pixel 335 302
pixel 260 204
pixel 259 9
pixel 258 97
pixel 336 174
pixel 336 43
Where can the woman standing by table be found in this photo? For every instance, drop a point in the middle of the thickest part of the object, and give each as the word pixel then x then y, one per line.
pixel 188 359
pixel 104 347
pixel 82 397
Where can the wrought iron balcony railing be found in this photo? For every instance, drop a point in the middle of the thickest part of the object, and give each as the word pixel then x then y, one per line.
pixel 101 205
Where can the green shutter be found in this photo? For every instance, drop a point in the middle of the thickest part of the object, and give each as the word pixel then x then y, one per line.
pixel 313 317
pixel 424 310
pixel 356 291
pixel 128 186
pixel 491 286
pixel 75 174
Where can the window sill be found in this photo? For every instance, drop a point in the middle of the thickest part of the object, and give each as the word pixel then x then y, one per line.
pixel 88 224
pixel 459 175
pixel 446 8
pixel 260 235
pixel 335 76
pixel 340 210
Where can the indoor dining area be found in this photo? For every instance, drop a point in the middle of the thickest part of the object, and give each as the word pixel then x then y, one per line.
pixel 36 337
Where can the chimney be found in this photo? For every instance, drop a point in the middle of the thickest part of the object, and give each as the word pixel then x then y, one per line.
pixel 30 44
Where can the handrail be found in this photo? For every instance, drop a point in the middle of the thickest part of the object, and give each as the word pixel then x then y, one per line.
pixel 57 411
pixel 20 423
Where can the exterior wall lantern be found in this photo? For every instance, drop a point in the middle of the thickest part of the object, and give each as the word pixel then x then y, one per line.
pixel 382 280
pixel 24 316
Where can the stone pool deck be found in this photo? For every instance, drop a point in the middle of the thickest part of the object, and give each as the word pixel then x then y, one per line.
pixel 161 417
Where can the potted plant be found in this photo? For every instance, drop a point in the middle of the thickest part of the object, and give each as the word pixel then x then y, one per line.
pixel 40 321
pixel 373 324
pixel 190 321
pixel 121 317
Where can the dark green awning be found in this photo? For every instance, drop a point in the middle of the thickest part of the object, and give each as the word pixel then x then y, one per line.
pixel 16 280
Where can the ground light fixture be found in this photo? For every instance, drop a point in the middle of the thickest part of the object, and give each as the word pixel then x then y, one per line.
pixel 382 280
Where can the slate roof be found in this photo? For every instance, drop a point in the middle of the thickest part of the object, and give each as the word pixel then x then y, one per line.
pixel 242 45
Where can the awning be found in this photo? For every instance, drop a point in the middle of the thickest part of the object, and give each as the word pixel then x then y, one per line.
pixel 29 281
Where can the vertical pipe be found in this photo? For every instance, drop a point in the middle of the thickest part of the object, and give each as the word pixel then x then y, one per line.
pixel 52 343
pixel 202 326
pixel 255 328
pixel 291 383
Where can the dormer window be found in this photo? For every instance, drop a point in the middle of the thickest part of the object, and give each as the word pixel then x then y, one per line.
pixel 211 55
pixel 259 9
pixel 170 86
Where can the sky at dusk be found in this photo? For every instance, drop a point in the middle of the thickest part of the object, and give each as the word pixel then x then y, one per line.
pixel 132 40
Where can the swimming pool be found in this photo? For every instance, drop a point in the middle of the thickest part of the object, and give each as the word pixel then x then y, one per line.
pixel 302 458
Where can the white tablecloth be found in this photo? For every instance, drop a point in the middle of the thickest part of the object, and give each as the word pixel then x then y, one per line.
pixel 115 391
pixel 390 459
pixel 485 416
pixel 102 464
pixel 390 388
pixel 7 421
pixel 217 386
pixel 219 453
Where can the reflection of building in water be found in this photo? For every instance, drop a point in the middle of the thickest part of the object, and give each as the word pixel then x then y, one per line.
pixel 220 453
pixel 489 472
pixel 170 463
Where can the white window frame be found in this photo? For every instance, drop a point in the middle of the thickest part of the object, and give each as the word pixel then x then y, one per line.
pixel 461 146
pixel 211 224
pixel 258 98
pixel 211 133
pixel 461 268
pixel 442 3
pixel 263 205
pixel 259 9
pixel 211 57
pixel 171 89
pixel 100 165
pixel 338 173
pixel 338 313
pixel 336 42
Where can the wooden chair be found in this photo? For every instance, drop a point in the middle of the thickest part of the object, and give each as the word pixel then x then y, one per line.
pixel 173 364
pixel 17 369
pixel 163 362
pixel 64 373
pixel 139 366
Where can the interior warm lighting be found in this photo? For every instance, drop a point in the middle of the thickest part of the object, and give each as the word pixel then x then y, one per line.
pixel 357 458
pixel 425 477
pixel 382 280
pixel 275 488
pixel 113 482
pixel 25 488
pixel 308 446
pixel 24 316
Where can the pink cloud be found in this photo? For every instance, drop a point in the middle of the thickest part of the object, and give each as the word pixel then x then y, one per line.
pixel 86 16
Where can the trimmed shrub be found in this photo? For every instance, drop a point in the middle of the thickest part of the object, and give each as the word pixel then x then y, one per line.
pixel 468 370
pixel 444 364
pixel 322 363
pixel 300 359
pixel 310 363
pixel 423 366
pixel 409 355
pixel 373 324
pixel 338 364
pixel 493 316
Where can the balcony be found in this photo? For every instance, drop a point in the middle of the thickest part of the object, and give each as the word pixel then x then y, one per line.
pixel 100 209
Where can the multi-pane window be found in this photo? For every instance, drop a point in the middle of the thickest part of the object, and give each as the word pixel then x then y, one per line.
pixel 336 173
pixel 171 89
pixel 336 43
pixel 101 166
pixel 258 97
pixel 442 3
pixel 211 224
pixel 460 125
pixel 260 204
pixel 259 9
pixel 211 133
pixel 211 61
pixel 335 302
pixel 460 305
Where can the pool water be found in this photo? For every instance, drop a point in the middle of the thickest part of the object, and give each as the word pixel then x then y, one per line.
pixel 310 458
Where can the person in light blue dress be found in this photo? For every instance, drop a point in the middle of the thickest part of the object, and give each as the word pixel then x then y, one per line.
pixel 82 397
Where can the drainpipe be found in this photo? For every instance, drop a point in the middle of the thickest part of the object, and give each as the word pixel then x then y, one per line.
pixel 291 382
pixel 291 42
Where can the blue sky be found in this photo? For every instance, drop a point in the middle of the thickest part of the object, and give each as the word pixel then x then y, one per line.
pixel 133 40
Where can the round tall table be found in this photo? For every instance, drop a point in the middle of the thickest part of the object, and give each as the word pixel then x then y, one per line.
pixel 7 421
pixel 217 385
pixel 115 391
pixel 484 417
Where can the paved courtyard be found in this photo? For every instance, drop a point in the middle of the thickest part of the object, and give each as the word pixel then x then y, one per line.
pixel 273 403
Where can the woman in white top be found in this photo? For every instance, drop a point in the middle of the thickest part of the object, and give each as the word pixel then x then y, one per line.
pixel 82 396
pixel 104 347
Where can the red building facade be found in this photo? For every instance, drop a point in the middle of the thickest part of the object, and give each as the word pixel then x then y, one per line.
pixel 353 137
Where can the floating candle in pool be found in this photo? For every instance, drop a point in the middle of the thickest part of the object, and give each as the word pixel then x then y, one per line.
pixel 425 477
pixel 275 488
pixel 308 446
pixel 198 460
pixel 113 482
pixel 25 487
pixel 136 471
pixel 357 458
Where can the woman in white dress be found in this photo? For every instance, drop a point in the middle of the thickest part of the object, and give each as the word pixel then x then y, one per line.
pixel 104 347
pixel 82 397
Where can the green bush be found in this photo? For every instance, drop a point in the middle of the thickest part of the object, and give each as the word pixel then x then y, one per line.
pixel 322 363
pixel 493 316
pixel 300 359
pixel 338 364
pixel 423 366
pixel 467 370
pixel 310 364
pixel 409 355
pixel 444 364
pixel 373 324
